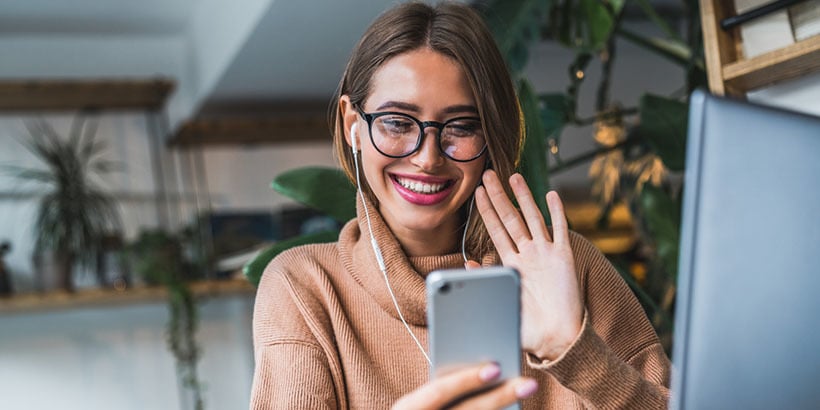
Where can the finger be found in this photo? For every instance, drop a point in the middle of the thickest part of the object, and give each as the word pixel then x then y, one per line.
pixel 502 396
pixel 532 215
pixel 471 264
pixel 495 228
pixel 560 230
pixel 507 213
pixel 441 391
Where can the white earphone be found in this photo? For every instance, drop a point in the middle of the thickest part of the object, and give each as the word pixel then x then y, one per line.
pixel 353 142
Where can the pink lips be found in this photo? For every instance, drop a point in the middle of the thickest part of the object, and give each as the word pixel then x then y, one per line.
pixel 418 198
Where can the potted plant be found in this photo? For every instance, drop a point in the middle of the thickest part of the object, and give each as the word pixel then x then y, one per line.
pixel 158 258
pixel 74 213
pixel 5 275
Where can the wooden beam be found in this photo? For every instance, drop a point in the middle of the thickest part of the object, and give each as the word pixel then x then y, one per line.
pixel 65 94
pixel 253 130
pixel 720 47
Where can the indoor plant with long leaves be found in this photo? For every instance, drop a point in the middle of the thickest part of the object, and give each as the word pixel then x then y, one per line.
pixel 639 148
pixel 74 214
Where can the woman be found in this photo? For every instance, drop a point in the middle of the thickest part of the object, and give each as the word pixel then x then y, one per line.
pixel 425 112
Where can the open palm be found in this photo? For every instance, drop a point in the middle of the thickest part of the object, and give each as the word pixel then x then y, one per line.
pixel 551 305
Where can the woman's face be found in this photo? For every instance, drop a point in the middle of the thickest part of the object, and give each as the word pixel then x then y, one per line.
pixel 419 194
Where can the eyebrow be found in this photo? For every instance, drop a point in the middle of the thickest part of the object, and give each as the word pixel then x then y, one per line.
pixel 453 109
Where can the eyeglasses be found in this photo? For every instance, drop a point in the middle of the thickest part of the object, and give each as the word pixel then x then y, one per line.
pixel 397 135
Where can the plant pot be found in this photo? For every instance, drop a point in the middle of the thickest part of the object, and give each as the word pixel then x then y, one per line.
pixel 5 281
pixel 54 271
pixel 5 274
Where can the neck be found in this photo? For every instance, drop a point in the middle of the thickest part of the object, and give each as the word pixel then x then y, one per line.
pixel 429 243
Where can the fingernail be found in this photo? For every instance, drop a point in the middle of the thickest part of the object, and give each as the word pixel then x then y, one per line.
pixel 526 388
pixel 489 372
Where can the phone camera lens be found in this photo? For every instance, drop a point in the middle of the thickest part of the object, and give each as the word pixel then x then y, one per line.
pixel 445 288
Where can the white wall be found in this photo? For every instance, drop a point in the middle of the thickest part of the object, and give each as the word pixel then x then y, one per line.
pixel 800 94
pixel 240 177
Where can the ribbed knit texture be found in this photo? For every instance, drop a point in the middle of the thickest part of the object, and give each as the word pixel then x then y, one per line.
pixel 326 333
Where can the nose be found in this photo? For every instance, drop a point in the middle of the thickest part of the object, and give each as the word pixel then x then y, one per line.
pixel 429 156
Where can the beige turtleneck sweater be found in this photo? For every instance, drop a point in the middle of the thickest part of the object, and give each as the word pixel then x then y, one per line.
pixel 326 333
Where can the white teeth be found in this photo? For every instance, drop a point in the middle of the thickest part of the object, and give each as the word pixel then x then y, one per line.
pixel 420 187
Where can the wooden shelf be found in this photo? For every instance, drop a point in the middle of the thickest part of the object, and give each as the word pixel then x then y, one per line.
pixel 790 62
pixel 730 73
pixel 59 300
pixel 234 130
pixel 57 94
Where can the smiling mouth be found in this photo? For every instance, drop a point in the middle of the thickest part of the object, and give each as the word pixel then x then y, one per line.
pixel 420 187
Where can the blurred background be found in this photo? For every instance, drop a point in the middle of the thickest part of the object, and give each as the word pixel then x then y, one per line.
pixel 139 140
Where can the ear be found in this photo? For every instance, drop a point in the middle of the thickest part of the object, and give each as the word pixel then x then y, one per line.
pixel 349 116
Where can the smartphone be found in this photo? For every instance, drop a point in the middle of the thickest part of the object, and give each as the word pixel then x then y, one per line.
pixel 473 316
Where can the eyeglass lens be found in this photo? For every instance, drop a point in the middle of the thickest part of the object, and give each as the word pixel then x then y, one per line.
pixel 399 135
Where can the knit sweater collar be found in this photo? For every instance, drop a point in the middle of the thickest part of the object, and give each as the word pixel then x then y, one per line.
pixel 406 274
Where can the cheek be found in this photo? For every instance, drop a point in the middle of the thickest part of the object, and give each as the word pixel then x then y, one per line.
pixel 472 172
pixel 374 165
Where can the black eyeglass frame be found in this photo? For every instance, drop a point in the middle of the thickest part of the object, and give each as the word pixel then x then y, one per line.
pixel 370 117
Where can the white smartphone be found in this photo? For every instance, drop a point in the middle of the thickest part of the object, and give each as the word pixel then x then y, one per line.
pixel 473 316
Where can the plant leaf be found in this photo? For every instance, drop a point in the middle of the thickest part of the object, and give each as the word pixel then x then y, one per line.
pixel 515 25
pixel 325 189
pixel 554 111
pixel 664 126
pixel 653 15
pixel 661 215
pixel 253 270
pixel 584 24
pixel 534 154
pixel 73 215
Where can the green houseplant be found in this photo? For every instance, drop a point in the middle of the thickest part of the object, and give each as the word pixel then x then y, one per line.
pixel 639 148
pixel 158 258
pixel 74 214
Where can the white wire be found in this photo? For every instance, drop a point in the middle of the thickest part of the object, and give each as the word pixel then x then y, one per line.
pixel 466 225
pixel 380 259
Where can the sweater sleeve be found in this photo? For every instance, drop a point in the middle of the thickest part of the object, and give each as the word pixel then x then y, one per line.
pixel 617 360
pixel 291 367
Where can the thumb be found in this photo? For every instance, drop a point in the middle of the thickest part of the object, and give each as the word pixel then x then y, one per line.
pixel 472 264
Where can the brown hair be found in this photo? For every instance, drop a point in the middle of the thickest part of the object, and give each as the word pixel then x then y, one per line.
pixel 457 31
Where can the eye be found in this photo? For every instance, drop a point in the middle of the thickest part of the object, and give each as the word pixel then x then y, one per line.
pixel 395 124
pixel 463 128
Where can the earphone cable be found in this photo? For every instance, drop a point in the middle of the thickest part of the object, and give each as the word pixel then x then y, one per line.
pixel 380 259
pixel 466 225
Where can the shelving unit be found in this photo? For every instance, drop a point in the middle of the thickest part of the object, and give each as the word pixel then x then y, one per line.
pixel 147 95
pixel 730 73
pixel 141 95
pixel 61 300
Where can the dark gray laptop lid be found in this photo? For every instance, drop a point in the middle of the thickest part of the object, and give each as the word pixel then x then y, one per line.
pixel 747 332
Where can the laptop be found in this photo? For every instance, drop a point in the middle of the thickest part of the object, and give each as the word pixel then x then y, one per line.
pixel 747 322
